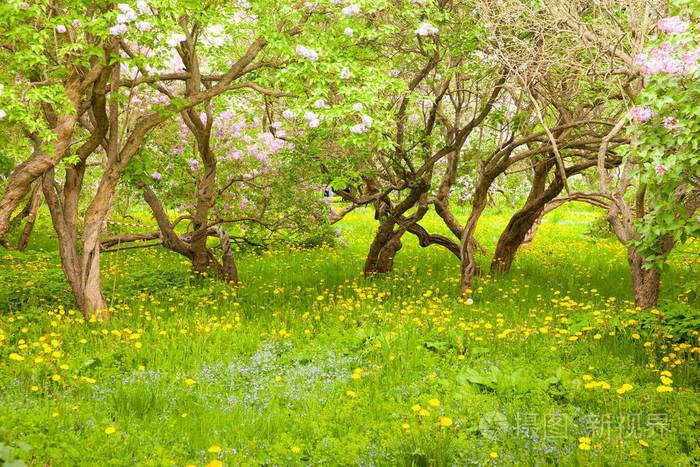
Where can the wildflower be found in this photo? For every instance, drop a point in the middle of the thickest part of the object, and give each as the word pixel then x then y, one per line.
pixel 416 408
pixel 670 123
pixel 61 29
pixel 215 463
pixel 624 388
pixel 156 176
pixel 16 357
pixel 405 426
pixel 434 402
pixel 296 450
pixel 666 380
pixel 350 393
pixel 642 114
pixel 214 449
pixel 493 455
pixel 643 443
pixel 345 73
pixel 444 421
pixel 190 381
pixel 348 32
pixel 660 169
pixel 288 114
pixel 663 388
pixel 424 412
pixel 110 430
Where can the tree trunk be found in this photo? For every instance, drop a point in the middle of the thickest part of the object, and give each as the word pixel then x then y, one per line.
pixel 34 205
pixel 646 282
pixel 381 241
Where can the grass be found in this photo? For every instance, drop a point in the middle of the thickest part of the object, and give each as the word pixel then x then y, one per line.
pixel 309 363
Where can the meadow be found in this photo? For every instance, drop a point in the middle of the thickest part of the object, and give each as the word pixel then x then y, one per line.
pixel 307 362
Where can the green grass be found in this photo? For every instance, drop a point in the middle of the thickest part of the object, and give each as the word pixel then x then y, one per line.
pixel 272 363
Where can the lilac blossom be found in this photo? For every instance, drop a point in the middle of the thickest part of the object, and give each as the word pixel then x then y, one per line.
pixel 307 53
pixel 673 24
pixel 642 114
pixel 426 29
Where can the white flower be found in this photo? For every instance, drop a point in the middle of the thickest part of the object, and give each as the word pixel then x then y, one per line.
pixel 320 103
pixel 276 125
pixel 314 123
pixel 345 73
pixel 359 128
pixel 143 26
pixel 310 116
pixel 61 29
pixel 348 32
pixel 173 41
pixel 3 114
pixel 470 301
pixel 307 53
pixel 142 7
pixel 117 29
pixel 357 107
pixel 367 121
pixel 124 8
pixel 288 114
pixel 350 10
pixel 426 29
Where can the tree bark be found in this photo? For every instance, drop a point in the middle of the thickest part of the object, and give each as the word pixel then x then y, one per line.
pixel 646 283
pixel 33 205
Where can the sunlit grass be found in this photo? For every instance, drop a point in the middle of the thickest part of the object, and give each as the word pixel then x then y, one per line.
pixel 308 362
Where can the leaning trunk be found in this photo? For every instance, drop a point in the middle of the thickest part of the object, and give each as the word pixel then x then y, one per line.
pixel 33 206
pixel 512 238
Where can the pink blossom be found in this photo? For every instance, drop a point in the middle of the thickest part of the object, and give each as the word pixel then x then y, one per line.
pixel 61 29
pixel 288 114
pixel 348 32
pixel 670 123
pixel 642 114
pixel 77 23
pixel 673 24
pixel 24 6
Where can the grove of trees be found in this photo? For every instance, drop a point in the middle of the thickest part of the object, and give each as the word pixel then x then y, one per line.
pixel 265 122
